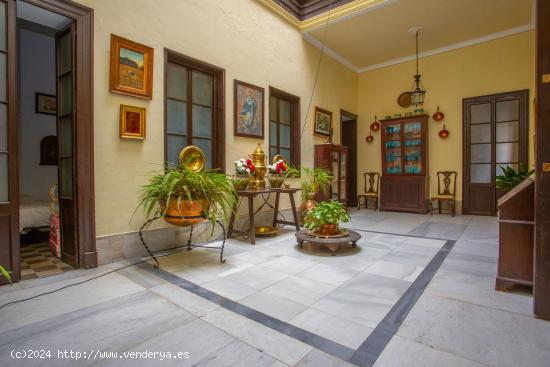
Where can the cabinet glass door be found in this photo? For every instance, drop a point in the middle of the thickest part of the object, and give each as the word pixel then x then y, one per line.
pixel 393 149
pixel 334 163
pixel 343 173
pixel 412 144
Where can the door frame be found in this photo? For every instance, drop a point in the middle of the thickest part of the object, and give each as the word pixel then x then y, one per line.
pixel 82 17
pixel 523 95
pixel 352 199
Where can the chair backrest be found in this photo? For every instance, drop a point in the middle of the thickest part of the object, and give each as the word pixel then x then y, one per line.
pixel 446 182
pixel 373 180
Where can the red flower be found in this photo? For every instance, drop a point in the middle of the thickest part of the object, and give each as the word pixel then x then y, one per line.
pixel 250 165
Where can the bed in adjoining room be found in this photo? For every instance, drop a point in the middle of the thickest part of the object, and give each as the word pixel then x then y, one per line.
pixel 33 213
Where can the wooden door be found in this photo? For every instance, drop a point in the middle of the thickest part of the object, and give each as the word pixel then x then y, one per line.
pixel 349 139
pixel 65 65
pixel 495 136
pixel 9 192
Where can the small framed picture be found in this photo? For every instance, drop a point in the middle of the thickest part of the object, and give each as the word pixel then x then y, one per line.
pixel 46 104
pixel 131 68
pixel 132 122
pixel 249 110
pixel 323 122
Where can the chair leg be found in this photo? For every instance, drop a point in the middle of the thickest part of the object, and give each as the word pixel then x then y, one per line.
pixel 439 205
pixel 376 206
pixel 431 207
pixel 358 202
pixel 453 207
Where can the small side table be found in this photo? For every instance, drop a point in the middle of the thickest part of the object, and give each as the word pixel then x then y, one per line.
pixel 264 194
pixel 331 243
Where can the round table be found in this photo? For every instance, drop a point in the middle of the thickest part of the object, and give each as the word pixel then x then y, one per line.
pixel 332 243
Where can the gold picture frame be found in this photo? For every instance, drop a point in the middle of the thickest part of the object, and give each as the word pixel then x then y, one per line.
pixel 131 70
pixel 132 122
pixel 322 123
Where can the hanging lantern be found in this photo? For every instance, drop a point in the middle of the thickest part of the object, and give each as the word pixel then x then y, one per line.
pixel 444 133
pixel 370 138
pixel 438 116
pixel 375 126
pixel 418 92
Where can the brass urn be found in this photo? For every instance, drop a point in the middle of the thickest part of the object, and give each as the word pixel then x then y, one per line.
pixel 257 181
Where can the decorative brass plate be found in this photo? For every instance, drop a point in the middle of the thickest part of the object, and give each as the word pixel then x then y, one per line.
pixel 192 158
pixel 404 99
pixel 266 231
pixel 278 157
pixel 343 233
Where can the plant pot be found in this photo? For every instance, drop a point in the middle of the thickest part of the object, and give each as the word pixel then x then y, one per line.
pixel 184 213
pixel 276 181
pixel 240 182
pixel 328 229
pixel 305 207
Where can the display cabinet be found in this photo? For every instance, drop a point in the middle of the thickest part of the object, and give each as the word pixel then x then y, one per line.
pixel 404 181
pixel 334 158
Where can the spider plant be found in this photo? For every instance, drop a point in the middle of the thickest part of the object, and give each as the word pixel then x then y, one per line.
pixel 511 178
pixel 5 274
pixel 313 180
pixel 181 184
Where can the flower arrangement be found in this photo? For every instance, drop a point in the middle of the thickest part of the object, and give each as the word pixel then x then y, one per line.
pixel 244 167
pixel 278 168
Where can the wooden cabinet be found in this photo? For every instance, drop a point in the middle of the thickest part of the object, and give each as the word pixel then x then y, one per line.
pixel 404 183
pixel 334 158
pixel 516 217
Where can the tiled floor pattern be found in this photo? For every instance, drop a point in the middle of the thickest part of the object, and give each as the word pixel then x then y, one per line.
pixel 37 261
pixel 459 320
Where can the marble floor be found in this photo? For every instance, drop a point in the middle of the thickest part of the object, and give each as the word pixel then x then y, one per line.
pixel 274 304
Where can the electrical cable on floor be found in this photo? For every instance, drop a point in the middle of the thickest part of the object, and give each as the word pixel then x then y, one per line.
pixel 171 251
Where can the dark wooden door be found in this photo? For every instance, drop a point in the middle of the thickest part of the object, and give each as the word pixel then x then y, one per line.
pixel 349 139
pixel 65 65
pixel 9 192
pixel 495 136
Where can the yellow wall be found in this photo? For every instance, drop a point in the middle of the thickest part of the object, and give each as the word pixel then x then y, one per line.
pixel 502 65
pixel 241 36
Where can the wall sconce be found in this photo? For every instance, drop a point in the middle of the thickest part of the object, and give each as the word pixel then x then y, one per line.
pixel 444 133
pixel 370 138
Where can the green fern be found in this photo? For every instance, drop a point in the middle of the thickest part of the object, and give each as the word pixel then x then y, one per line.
pixel 511 178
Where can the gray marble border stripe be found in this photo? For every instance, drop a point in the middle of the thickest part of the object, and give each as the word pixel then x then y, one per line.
pixel 367 354
pixel 369 351
pixel 295 332
pixel 401 234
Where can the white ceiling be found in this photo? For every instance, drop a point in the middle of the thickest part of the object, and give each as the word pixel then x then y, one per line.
pixel 41 16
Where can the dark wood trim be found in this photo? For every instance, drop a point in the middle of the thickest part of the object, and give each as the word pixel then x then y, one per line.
pixel 303 10
pixel 542 154
pixel 35 27
pixel 84 144
pixel 352 169
pixel 523 155
pixel 236 109
pixel 218 103
pixel 295 143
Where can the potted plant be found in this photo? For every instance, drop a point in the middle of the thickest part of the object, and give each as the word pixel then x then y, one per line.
pixel 277 173
pixel 185 197
pixel 312 181
pixel 5 274
pixel 244 168
pixel 511 178
pixel 324 219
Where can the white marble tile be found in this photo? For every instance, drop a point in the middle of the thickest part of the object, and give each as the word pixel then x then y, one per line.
pixel 288 265
pixel 485 335
pixel 332 327
pixel 392 269
pixel 238 354
pixel 257 277
pixel 190 302
pixel 328 274
pixel 302 290
pixel 407 353
pixel 278 307
pixel 279 346
pixel 229 289
pixel 375 285
pixel 317 358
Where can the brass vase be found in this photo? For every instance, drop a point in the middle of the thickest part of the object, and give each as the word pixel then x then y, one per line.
pixel 305 207
pixel 257 181
pixel 276 181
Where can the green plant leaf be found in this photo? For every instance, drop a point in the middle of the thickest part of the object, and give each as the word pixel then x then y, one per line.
pixel 5 274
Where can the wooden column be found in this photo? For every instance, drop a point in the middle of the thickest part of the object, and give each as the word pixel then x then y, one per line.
pixel 542 193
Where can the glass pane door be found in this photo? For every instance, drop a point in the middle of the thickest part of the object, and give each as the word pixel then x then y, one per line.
pixel 480 143
pixel 334 162
pixel 507 135
pixel 4 179
pixel 393 149
pixel 412 141
pixel 343 174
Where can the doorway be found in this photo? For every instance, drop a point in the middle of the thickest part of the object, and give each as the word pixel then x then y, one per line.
pixel 61 119
pixel 348 127
pixel 495 136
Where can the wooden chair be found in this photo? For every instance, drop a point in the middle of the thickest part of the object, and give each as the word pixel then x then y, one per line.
pixel 445 181
pixel 372 191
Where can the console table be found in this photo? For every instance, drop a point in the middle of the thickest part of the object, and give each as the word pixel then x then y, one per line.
pixel 264 195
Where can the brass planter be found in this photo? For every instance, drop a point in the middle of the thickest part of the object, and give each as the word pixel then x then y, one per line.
pixel 276 181
pixel 328 229
pixel 305 207
pixel 184 213
pixel 240 182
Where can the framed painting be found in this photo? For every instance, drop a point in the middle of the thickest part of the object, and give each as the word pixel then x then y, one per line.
pixel 132 122
pixel 323 122
pixel 131 68
pixel 249 110
pixel 45 103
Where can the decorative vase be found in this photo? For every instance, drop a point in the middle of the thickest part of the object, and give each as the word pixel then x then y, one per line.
pixel 184 213
pixel 370 138
pixel 257 181
pixel 328 229
pixel 444 133
pixel 240 182
pixel 438 116
pixel 276 181
pixel 305 207
pixel 375 126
